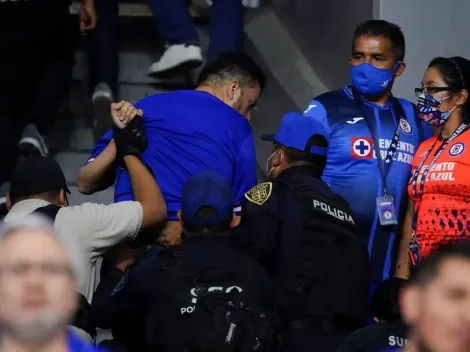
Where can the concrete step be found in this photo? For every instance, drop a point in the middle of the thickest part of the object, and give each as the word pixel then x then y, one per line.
pixel 71 162
pixel 104 197
pixel 140 10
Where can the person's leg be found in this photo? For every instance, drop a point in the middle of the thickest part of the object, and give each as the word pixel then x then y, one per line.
pixel 19 65
pixel 104 62
pixel 104 46
pixel 53 81
pixel 175 24
pixel 226 28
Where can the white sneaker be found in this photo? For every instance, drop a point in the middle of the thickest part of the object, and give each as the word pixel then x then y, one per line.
pixel 102 98
pixel 176 59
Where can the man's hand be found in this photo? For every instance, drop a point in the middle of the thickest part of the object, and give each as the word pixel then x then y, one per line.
pixel 123 257
pixel 123 112
pixel 87 16
pixel 171 235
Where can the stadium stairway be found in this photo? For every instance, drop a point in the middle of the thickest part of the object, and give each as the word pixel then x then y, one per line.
pixel 291 82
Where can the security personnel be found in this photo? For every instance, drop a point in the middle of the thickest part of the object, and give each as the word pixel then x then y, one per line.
pixel 206 217
pixel 305 235
pixel 389 329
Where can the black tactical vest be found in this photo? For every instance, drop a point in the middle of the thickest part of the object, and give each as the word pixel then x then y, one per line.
pixel 329 275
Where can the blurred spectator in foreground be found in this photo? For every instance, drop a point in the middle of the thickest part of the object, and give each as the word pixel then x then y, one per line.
pixel 40 272
pixel 436 302
pixel 389 330
pixel 37 40
pixel 39 185
pixel 183 52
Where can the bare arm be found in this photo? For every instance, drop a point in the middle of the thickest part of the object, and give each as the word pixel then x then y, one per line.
pixel 403 260
pixel 98 174
pixel 146 192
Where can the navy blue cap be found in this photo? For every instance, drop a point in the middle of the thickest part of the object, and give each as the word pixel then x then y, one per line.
pixel 295 130
pixel 207 189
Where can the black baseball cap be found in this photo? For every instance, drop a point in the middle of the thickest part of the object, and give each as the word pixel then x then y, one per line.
pixel 35 175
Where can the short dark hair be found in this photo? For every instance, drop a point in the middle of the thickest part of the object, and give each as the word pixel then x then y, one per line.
pixel 384 303
pixel 429 268
pixel 385 29
pixel 233 66
pixel 295 155
pixel 206 213
pixel 49 195
pixel 455 72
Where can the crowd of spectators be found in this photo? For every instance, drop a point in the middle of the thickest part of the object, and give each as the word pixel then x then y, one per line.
pixel 357 241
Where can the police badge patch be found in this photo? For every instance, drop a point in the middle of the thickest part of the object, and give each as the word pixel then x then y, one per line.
pixel 260 193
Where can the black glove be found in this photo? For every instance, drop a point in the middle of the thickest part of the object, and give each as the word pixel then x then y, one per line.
pixel 132 139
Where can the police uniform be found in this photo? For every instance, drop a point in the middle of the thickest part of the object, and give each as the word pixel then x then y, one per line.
pixel 305 235
pixel 377 337
pixel 140 289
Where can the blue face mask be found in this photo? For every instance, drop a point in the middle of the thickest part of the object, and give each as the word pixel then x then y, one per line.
pixel 370 80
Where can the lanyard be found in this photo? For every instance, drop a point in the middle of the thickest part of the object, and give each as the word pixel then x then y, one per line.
pixel 384 165
pixel 414 178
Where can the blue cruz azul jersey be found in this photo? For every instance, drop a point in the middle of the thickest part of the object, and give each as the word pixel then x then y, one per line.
pixel 189 132
pixel 352 168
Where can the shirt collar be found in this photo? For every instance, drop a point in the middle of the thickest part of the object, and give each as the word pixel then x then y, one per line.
pixel 24 207
pixel 301 169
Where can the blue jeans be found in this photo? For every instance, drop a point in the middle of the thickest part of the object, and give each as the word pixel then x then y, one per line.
pixel 104 45
pixel 175 24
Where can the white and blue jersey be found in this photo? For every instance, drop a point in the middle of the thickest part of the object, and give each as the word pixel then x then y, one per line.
pixel 352 169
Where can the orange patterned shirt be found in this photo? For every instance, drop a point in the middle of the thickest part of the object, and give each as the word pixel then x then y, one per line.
pixel 443 210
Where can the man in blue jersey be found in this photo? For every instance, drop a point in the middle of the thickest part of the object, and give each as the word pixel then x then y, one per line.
pixel 189 132
pixel 372 139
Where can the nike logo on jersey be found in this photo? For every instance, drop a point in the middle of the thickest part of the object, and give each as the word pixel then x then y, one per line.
pixel 355 120
pixel 310 107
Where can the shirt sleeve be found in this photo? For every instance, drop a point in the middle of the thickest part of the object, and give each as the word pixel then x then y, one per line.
pixel 245 171
pixel 317 111
pixel 121 292
pixel 103 226
pixel 259 226
pixel 100 145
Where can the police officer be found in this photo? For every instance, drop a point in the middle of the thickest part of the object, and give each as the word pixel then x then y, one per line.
pixel 389 330
pixel 305 235
pixel 206 216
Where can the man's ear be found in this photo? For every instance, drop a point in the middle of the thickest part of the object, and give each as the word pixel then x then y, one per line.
pixel 232 88
pixel 277 158
pixel 62 199
pixel 401 68
pixel 9 205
